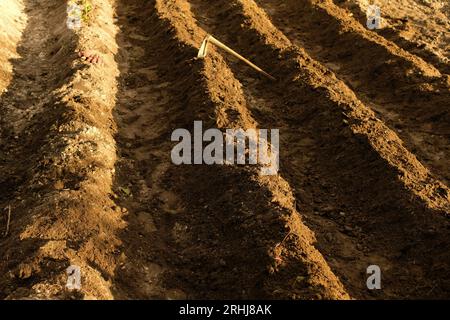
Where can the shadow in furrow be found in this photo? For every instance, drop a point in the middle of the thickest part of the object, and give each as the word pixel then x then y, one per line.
pixel 27 112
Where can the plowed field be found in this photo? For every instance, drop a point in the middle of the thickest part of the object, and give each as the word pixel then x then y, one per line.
pixel 86 176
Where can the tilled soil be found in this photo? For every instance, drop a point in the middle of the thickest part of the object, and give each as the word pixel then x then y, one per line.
pixel 85 166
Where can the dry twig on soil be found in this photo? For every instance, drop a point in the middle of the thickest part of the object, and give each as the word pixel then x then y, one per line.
pixel 8 221
pixel 204 49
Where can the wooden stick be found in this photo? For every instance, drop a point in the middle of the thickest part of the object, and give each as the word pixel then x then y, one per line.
pixel 203 48
pixel 9 220
pixel 210 38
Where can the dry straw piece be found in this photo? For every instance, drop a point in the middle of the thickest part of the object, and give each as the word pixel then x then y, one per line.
pixel 8 221
pixel 204 50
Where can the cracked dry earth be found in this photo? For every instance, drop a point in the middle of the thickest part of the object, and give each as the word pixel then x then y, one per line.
pixel 86 173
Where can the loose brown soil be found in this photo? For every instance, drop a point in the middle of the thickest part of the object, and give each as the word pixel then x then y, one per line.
pixel 85 152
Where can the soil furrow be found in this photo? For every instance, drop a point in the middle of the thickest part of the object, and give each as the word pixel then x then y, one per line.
pixel 59 156
pixel 407 93
pixel 148 108
pixel 353 228
pixel 419 27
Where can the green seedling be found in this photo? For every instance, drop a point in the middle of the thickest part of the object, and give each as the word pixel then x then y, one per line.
pixel 87 8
